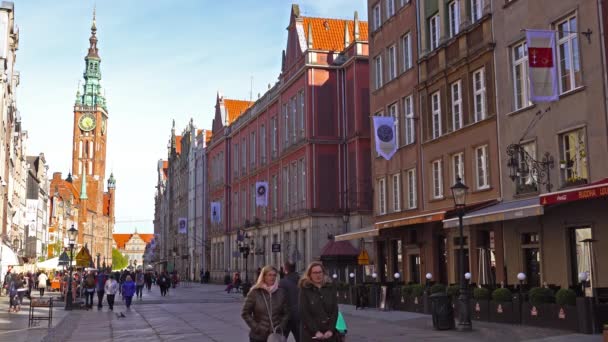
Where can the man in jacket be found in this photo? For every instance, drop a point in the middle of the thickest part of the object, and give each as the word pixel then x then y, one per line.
pixel 101 282
pixel 290 284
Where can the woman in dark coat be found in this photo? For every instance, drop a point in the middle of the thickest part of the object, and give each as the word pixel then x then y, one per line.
pixel 318 305
pixel 265 306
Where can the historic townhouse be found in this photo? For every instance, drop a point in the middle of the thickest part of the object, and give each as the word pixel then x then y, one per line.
pixel 308 137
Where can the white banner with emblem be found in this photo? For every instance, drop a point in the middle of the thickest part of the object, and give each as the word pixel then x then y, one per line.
pixel 261 194
pixel 384 132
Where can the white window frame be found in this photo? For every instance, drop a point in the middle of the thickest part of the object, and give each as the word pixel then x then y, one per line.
pixel 456 94
pixel 378 71
pixel 396 192
pixel 393 110
pixel 377 17
pixel 409 132
pixel 578 166
pixel 391 54
pixel 570 40
pixel 458 167
pixel 412 200
pixel 454 17
pixel 482 177
pixel 406 49
pixel 479 94
pixel 437 171
pixel 436 114
pixel 476 10
pixel 521 96
pixel 382 196
pixel 434 31
pixel 390 8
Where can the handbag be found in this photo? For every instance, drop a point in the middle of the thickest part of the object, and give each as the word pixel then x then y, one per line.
pixel 274 336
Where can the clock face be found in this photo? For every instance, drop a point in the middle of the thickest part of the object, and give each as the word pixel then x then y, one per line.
pixel 87 122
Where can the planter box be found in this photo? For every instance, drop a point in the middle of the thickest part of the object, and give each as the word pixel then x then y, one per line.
pixel 415 304
pixel 374 297
pixel 551 316
pixel 505 312
pixel 480 309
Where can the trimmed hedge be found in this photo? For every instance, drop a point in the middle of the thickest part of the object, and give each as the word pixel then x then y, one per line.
pixel 481 293
pixel 406 290
pixel 540 295
pixel 438 288
pixel 454 290
pixel 417 290
pixel 565 297
pixel 502 295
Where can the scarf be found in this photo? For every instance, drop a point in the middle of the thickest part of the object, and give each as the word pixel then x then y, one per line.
pixel 270 289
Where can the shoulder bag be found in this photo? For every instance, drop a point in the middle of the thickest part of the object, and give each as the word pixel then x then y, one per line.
pixel 274 336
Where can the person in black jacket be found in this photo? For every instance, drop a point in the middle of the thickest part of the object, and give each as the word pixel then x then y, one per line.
pixel 290 284
pixel 318 305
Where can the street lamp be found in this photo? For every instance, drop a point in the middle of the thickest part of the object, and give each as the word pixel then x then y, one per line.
pixel 459 192
pixel 72 235
pixel 245 249
pixel 582 278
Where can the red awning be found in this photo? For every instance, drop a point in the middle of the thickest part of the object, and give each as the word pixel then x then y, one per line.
pixel 590 191
pixel 339 249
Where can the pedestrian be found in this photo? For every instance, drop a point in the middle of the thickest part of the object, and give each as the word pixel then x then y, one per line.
pixel 265 310
pixel 89 290
pixel 139 283
pixel 202 276
pixel 42 278
pixel 110 288
pixel 207 276
pixel 290 284
pixel 7 280
pixel 318 305
pixel 100 284
pixel 128 290
pixel 13 292
pixel 163 283
pixel 148 280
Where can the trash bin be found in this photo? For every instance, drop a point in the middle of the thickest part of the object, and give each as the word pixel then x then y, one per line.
pixel 441 310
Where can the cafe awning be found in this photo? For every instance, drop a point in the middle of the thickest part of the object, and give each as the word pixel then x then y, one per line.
pixel 591 191
pixel 406 221
pixel 362 234
pixel 501 211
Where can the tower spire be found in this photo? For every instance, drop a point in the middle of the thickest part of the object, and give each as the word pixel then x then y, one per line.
pixel 93 52
pixel 92 95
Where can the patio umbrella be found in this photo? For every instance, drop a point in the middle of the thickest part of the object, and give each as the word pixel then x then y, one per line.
pixel 9 258
pixel 484 271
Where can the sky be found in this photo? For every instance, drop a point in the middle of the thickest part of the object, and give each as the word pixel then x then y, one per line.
pixel 160 60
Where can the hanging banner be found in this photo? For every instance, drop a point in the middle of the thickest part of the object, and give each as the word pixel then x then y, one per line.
pixel 385 136
pixel 216 212
pixel 542 67
pixel 182 224
pixel 261 194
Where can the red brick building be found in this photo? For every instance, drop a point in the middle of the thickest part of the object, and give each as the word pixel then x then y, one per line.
pixel 308 137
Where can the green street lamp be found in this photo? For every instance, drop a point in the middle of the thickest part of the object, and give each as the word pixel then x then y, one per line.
pixel 459 192
pixel 72 235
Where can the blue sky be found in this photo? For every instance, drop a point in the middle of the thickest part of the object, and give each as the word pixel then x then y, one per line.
pixel 161 60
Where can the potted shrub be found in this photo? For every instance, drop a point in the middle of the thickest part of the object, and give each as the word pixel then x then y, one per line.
pixel 480 304
pixel 565 313
pixel 438 288
pixel 537 310
pixel 416 302
pixel 502 308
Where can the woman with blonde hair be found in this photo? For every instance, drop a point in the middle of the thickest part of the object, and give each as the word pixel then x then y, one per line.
pixel 265 309
pixel 318 305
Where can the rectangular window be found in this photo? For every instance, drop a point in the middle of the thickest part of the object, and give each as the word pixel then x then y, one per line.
pixel 244 156
pixel 293 104
pixel 580 256
pixel 274 133
pixel 382 196
pixel 409 133
pixel 436 114
pixel 454 17
pixel 263 144
pixel 390 8
pixel 302 120
pixel 378 72
pixel 456 105
pixel 406 48
pixel 377 17
pixel 302 172
pixel 285 185
pixel 243 205
pixel 479 94
pixel 434 31
pixel 274 195
pixel 294 186
pixel 252 156
pixel 253 213
pixel 285 126
pixel 476 10
pixel 397 192
pixel 520 75
pixel 393 110
pixel 437 179
pixel 481 165
pixel 568 55
pixel 235 208
pixel 458 167
pixel 573 163
pixel 392 62
pixel 236 160
pixel 412 197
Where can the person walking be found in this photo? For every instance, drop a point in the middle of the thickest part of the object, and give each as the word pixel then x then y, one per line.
pixel 162 283
pixel 148 280
pixel 110 288
pixel 318 305
pixel 290 284
pixel 89 290
pixel 100 284
pixel 128 290
pixel 42 279
pixel 15 284
pixel 139 284
pixel 265 310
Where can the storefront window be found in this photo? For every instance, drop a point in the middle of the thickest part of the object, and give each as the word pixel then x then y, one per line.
pixel 415 268
pixel 579 255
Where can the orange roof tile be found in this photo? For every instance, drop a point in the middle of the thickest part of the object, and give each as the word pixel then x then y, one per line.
pixel 146 237
pixel 328 34
pixel 208 136
pixel 234 108
pixel 178 144
pixel 121 240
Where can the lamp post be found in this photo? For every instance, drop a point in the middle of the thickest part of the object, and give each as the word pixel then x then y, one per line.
pixel 459 192
pixel 245 249
pixel 582 278
pixel 428 277
pixel 352 277
pixel 72 234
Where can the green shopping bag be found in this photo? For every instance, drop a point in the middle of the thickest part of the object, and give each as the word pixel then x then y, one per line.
pixel 341 324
